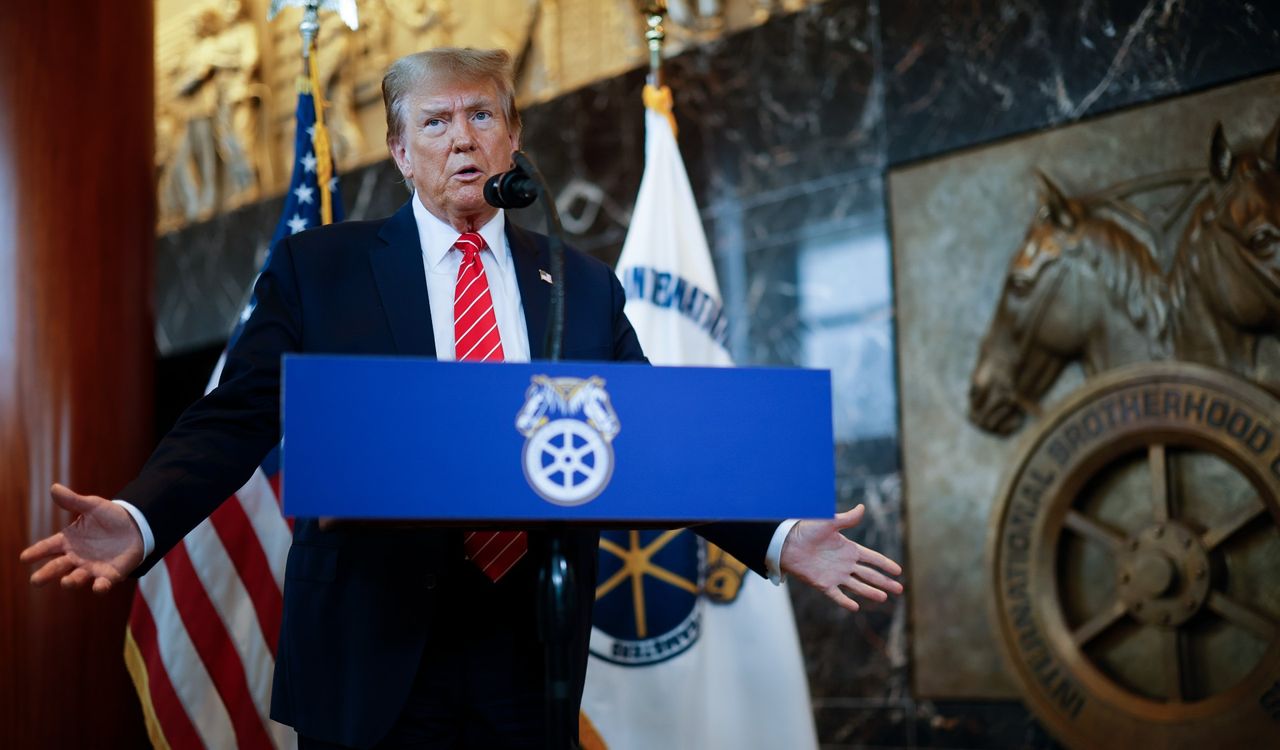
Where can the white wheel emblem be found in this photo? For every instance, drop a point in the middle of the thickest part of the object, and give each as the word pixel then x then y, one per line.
pixel 569 426
pixel 567 462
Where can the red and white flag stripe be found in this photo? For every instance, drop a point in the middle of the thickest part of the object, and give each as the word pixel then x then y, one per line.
pixel 203 632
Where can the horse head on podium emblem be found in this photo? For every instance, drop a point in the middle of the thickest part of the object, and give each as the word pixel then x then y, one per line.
pixel 569 425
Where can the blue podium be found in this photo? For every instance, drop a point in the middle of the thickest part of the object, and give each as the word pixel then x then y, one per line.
pixel 550 444
pixel 386 437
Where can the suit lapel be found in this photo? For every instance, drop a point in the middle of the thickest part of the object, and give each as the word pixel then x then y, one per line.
pixel 402 283
pixel 535 294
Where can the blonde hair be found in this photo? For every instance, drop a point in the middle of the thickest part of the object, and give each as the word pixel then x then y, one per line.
pixel 448 64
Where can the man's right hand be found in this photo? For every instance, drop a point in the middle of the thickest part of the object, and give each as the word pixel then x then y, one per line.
pixel 100 547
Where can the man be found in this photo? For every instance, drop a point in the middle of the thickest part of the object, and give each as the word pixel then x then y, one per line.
pixel 412 636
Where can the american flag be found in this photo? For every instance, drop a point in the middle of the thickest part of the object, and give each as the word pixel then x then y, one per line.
pixel 202 634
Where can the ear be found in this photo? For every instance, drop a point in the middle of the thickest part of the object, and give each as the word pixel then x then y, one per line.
pixel 515 146
pixel 1052 198
pixel 1221 160
pixel 1271 146
pixel 400 156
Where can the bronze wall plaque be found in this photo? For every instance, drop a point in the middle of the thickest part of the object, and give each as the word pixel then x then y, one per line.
pixel 1169 234
pixel 1133 557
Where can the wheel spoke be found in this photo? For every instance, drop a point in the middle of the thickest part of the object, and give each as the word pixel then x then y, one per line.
pixel 1096 530
pixel 1223 531
pixel 1176 664
pixel 547 472
pixel 1094 626
pixel 1156 459
pixel 1241 616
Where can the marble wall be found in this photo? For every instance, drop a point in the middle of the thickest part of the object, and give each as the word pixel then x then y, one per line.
pixel 787 131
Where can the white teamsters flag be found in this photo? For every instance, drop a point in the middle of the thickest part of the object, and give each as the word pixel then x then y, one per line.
pixel 709 658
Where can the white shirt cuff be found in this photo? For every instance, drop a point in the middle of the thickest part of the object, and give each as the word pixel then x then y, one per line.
pixel 148 539
pixel 773 558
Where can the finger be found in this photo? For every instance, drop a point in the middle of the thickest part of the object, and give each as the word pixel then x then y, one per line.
pixel 46 547
pixel 55 568
pixel 101 585
pixel 76 579
pixel 69 500
pixel 864 590
pixel 876 578
pixel 880 561
pixel 835 594
pixel 851 517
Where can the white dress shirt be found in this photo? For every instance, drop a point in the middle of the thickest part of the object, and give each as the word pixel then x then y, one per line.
pixel 440 262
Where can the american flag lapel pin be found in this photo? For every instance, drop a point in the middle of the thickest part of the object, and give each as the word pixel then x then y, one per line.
pixel 544 275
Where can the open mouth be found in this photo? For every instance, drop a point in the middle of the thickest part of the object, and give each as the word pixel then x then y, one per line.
pixel 468 172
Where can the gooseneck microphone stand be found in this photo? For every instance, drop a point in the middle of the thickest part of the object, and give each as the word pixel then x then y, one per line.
pixel 557 599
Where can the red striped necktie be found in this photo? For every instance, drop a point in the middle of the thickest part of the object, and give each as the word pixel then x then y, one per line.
pixel 476 339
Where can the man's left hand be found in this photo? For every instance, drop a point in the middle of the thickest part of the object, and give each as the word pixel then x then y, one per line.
pixel 818 554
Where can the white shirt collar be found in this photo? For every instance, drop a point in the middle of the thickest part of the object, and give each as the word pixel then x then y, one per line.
pixel 437 237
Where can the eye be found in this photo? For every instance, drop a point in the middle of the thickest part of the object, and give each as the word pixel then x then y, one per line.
pixel 1263 239
pixel 433 122
pixel 1021 283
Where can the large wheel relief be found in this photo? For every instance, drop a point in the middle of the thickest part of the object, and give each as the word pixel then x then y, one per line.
pixel 1135 559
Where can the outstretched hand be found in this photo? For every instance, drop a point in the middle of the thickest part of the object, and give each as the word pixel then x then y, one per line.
pixel 100 547
pixel 818 554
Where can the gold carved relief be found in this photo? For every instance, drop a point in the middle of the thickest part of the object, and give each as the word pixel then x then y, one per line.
pixel 226 78
pixel 208 134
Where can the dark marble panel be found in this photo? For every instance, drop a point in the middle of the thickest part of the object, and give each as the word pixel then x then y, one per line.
pixel 762 112
pixel 865 724
pixel 874 723
pixel 204 271
pixel 974 724
pixel 792 101
pixel 590 147
pixel 961 72
pixel 860 654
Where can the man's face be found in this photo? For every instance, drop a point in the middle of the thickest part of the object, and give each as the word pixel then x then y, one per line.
pixel 455 137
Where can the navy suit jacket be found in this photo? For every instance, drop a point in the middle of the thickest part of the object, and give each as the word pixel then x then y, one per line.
pixel 361 602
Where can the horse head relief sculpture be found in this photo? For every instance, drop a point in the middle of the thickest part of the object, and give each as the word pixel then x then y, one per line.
pixel 1225 281
pixel 1088 284
pixel 1084 284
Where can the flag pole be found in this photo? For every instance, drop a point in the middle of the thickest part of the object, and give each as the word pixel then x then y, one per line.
pixel 654 13
pixel 657 96
pixel 310 28
pixel 310 82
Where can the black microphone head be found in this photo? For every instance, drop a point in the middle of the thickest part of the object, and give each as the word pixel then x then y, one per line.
pixel 511 189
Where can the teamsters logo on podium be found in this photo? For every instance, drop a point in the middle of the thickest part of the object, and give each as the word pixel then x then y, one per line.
pixel 569 425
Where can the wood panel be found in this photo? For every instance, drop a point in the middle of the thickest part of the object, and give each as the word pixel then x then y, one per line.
pixel 76 352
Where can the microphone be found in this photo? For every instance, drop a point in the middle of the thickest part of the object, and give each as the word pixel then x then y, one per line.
pixel 514 189
pixel 519 188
